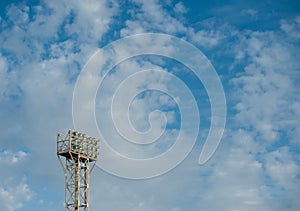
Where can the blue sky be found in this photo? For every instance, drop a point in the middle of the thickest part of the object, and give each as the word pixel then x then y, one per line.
pixel 252 45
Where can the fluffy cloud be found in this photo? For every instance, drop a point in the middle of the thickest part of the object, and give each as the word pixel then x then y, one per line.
pixel 239 176
pixel 9 157
pixel 267 85
pixel 43 49
pixel 291 27
pixel 150 16
pixel 13 196
pixel 266 100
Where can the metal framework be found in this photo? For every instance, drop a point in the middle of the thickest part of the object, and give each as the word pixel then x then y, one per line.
pixel 77 153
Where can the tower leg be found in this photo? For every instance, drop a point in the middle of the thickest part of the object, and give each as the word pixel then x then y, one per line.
pixel 77 183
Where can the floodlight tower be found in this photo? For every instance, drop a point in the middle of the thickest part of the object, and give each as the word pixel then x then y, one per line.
pixel 77 153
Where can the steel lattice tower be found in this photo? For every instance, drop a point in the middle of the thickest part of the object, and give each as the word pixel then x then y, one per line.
pixel 77 154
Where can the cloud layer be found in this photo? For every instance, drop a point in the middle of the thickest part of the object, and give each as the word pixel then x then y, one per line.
pixel 45 46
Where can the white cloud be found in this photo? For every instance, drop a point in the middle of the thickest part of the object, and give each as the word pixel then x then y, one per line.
pixel 137 119
pixel 9 157
pixel 282 168
pixel 180 8
pixel 38 69
pixel 250 12
pixel 210 33
pixel 266 86
pixel 13 196
pixel 43 74
pixel 91 19
pixel 291 27
pixel 151 16
pixel 207 38
pixel 18 15
pixel 237 178
pixel 267 100
pixel 3 75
